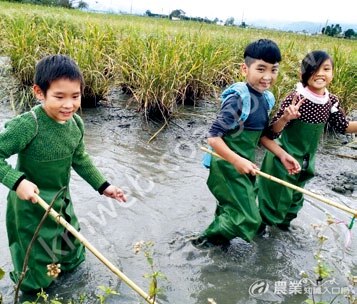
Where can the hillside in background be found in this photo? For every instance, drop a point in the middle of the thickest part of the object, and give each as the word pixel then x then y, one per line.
pixel 310 27
pixel 299 26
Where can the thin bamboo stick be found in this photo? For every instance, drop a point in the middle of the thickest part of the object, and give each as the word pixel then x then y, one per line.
pixel 156 133
pixel 57 217
pixel 292 186
pixel 347 156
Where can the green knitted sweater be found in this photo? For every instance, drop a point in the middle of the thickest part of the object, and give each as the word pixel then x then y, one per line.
pixel 37 136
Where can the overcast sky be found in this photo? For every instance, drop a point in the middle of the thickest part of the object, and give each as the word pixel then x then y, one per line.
pixel 341 11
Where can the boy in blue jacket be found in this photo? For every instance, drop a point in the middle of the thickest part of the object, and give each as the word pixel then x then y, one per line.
pixel 235 135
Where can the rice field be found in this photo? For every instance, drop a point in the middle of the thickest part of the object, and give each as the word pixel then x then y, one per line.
pixel 161 63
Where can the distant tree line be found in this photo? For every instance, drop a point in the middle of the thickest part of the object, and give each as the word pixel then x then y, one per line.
pixel 63 3
pixel 150 14
pixel 335 30
pixel 180 14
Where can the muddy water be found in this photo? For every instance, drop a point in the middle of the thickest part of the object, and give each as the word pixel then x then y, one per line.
pixel 169 202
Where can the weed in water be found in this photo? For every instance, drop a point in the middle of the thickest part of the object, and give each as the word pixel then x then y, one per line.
pixel 154 275
pixel 106 292
pixel 322 272
pixel 2 274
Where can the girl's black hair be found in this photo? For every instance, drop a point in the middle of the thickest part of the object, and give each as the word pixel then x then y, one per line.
pixel 311 63
pixel 263 49
pixel 54 67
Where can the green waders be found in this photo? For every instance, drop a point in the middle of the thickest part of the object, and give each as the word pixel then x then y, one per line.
pixel 278 204
pixel 54 244
pixel 237 214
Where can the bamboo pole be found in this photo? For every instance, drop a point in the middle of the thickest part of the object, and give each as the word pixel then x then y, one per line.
pixel 57 217
pixel 347 156
pixel 292 186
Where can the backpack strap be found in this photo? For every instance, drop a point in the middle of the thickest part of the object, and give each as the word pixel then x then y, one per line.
pixel 240 90
pixel 269 97
pixel 79 123
pixel 35 117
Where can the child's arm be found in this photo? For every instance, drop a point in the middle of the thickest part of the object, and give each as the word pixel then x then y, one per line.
pixel 84 166
pixel 291 112
pixel 352 127
pixel 242 165
pixel 289 162
pixel 338 120
pixel 226 121
pixel 15 136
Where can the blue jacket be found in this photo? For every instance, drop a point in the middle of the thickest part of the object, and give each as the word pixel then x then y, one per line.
pixel 241 90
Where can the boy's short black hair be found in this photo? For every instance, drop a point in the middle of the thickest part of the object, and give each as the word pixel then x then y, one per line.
pixel 262 49
pixel 311 63
pixel 54 67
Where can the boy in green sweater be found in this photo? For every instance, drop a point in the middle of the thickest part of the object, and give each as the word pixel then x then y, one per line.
pixel 49 142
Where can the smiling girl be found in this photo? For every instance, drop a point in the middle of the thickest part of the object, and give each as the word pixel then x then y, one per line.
pixel 300 122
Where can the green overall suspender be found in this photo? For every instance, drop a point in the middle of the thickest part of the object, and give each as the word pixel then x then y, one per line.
pixel 241 90
pixel 237 213
pixel 279 204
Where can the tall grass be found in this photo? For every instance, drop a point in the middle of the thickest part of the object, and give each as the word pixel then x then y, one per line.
pixel 160 62
pixel 168 69
pixel 344 84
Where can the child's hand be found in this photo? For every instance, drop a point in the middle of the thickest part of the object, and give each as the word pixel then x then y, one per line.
pixel 244 166
pixel 290 163
pixel 292 111
pixel 27 191
pixel 115 192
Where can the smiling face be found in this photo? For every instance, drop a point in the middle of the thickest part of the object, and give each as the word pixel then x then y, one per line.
pixel 260 75
pixel 62 99
pixel 319 80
